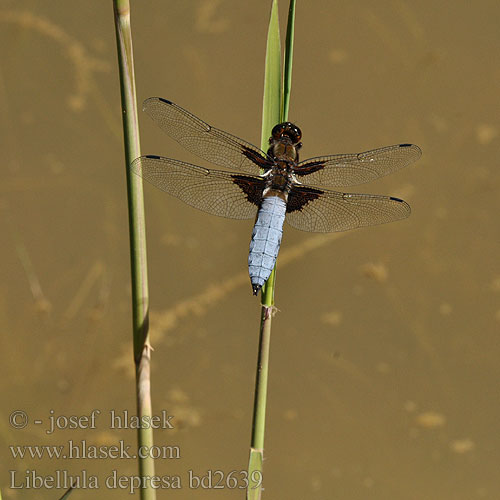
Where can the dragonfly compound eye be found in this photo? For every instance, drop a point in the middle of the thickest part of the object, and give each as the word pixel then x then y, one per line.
pixel 278 130
pixel 295 133
pixel 288 129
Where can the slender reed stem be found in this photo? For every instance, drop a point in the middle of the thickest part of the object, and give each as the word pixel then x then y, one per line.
pixel 287 70
pixel 275 109
pixel 255 477
pixel 64 497
pixel 140 295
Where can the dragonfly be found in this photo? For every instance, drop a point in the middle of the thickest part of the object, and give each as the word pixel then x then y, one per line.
pixel 271 186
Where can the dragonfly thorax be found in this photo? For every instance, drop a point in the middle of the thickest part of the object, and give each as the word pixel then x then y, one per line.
pixel 284 151
pixel 278 181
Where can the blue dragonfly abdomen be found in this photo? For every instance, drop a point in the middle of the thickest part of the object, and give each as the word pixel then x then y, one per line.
pixel 266 240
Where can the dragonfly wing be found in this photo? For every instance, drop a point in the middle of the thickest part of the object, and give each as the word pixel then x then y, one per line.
pixel 353 169
pixel 209 143
pixel 320 211
pixel 225 194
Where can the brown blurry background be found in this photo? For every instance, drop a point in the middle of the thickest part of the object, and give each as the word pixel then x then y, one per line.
pixel 384 356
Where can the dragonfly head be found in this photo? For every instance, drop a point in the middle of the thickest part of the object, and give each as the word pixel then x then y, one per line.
pixel 286 129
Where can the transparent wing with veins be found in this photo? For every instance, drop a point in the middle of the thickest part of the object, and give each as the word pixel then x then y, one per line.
pixel 352 169
pixel 200 138
pixel 226 194
pixel 321 211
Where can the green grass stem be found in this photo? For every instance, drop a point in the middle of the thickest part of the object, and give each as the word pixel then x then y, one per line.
pixel 288 58
pixel 275 110
pixel 140 294
pixel 64 497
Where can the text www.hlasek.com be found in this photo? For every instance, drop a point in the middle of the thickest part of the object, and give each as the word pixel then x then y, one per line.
pixel 83 450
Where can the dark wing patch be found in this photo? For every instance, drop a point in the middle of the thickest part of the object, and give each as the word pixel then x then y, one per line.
pixel 300 196
pixel 212 191
pixel 251 186
pixel 313 210
pixel 257 158
pixel 209 143
pixel 351 169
